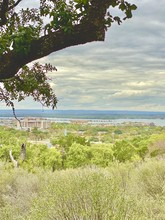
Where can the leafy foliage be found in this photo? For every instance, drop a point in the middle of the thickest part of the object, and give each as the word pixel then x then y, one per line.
pixel 102 155
pixel 68 151
pixel 75 150
pixel 53 150
pixel 22 39
pixel 29 82
pixel 78 155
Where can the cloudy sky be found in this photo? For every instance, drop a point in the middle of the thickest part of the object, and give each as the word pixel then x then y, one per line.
pixel 126 72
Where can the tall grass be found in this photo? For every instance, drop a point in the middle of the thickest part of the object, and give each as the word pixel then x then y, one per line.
pixel 119 192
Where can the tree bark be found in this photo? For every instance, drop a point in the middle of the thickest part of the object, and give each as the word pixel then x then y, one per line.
pixel 11 62
pixel 23 152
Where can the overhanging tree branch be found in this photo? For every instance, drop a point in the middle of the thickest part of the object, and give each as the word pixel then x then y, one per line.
pixel 25 37
pixel 81 34
pixel 3 10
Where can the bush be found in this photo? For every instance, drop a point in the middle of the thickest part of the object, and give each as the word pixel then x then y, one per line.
pixel 122 191
pixel 123 151
pixel 102 155
pixel 78 155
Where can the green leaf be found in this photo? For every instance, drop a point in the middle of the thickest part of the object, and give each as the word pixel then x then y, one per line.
pixel 122 6
pixel 133 7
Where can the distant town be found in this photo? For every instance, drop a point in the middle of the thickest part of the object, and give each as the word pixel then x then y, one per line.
pixel 27 123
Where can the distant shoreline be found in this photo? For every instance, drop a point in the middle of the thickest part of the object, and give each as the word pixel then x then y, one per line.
pixel 113 122
pixel 93 116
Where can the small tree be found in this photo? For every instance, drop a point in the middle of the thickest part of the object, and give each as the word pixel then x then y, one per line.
pixel 53 159
pixel 78 155
pixel 101 155
pixel 123 151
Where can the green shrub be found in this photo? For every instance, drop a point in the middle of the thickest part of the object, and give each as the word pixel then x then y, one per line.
pixel 78 155
pixel 123 151
pixel 121 191
pixel 102 155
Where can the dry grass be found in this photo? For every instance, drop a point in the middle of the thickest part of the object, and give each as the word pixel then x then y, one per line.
pixel 120 192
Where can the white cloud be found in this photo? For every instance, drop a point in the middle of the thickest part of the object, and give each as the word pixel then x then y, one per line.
pixel 140 84
pixel 127 93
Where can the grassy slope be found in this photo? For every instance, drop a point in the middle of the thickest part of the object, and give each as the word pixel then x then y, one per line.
pixel 122 191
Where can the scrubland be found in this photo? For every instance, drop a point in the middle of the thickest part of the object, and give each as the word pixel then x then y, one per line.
pixel 120 177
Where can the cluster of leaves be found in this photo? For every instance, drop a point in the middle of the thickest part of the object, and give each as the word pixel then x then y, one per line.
pixel 22 39
pixel 125 7
pixel 16 35
pixel 21 28
pixel 30 81
pixel 62 16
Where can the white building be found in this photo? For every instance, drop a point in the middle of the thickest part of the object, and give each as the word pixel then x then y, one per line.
pixel 29 123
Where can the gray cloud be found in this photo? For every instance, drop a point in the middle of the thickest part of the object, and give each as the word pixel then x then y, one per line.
pixel 126 71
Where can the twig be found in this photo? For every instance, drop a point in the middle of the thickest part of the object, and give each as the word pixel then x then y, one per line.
pixel 15 162
pixel 15 116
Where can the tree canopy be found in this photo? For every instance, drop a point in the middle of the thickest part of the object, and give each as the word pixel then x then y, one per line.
pixel 30 33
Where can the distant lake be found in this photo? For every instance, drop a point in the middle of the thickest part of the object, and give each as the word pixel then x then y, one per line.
pixel 115 117
pixel 84 114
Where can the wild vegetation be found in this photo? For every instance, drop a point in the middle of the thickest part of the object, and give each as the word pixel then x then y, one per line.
pixel 89 172
pixel 73 145
pixel 121 191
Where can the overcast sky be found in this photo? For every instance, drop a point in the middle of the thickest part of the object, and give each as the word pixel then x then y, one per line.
pixel 126 72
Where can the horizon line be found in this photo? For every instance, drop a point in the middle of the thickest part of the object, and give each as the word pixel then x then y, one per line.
pixel 152 111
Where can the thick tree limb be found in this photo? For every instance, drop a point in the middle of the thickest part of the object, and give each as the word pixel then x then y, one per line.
pixel 4 9
pixel 81 34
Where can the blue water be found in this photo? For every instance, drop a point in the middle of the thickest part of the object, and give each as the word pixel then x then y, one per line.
pixel 84 114
pixel 113 117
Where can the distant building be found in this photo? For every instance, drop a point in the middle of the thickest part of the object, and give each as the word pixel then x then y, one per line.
pixel 152 124
pixel 6 122
pixel 29 123
pixel 80 121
